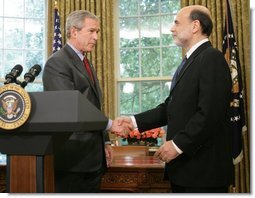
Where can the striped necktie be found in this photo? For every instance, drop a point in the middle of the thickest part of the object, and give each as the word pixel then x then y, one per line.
pixel 176 74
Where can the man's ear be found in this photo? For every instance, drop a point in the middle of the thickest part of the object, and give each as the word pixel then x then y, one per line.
pixel 73 32
pixel 196 26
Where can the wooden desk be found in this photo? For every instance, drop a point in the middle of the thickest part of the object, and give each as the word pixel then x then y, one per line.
pixel 133 170
pixel 135 174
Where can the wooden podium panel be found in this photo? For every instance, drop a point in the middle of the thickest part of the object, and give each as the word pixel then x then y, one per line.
pixel 49 182
pixel 28 168
pixel 25 167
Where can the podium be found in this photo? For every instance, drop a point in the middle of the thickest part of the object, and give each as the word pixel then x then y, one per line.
pixel 30 149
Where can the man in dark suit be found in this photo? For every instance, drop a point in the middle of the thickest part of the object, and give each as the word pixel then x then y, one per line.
pixel 198 146
pixel 81 162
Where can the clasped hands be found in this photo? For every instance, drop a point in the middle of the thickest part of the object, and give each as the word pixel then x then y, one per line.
pixel 121 126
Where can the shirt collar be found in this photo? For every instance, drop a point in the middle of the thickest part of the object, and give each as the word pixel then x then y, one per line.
pixel 81 56
pixel 194 47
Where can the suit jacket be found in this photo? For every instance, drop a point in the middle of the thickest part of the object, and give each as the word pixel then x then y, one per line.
pixel 197 115
pixel 83 152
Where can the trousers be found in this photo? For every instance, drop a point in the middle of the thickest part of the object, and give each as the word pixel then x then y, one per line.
pixel 185 189
pixel 73 182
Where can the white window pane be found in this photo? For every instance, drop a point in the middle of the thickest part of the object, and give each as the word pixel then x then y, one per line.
pixel 1 8
pixel 2 71
pixel 150 62
pixel 151 95
pixel 34 87
pixel 149 7
pixel 170 6
pixel 166 35
pixel 150 31
pixel 1 33
pixel 129 32
pixel 12 58
pixel 128 7
pixel 13 33
pixel 129 63
pixel 2 159
pixel 34 8
pixel 13 8
pixel 171 58
pixel 34 29
pixel 174 6
pixel 129 98
pixel 33 57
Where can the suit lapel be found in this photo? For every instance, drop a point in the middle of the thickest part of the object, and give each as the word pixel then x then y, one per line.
pixel 190 60
pixel 78 64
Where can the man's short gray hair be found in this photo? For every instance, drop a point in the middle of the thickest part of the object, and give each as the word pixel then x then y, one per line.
pixel 76 19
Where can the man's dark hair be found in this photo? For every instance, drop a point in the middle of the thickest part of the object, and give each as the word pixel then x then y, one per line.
pixel 204 19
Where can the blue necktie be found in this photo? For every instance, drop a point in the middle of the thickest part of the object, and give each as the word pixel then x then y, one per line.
pixel 177 72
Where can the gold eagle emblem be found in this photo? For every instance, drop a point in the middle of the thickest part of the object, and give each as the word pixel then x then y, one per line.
pixel 10 104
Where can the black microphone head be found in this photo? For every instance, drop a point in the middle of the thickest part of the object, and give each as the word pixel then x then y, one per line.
pixel 16 70
pixel 18 67
pixel 35 70
pixel 32 73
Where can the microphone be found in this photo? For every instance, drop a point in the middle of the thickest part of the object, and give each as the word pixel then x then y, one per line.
pixel 15 72
pixel 31 74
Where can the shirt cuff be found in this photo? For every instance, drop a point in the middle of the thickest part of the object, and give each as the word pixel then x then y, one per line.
pixel 109 125
pixel 177 148
pixel 133 121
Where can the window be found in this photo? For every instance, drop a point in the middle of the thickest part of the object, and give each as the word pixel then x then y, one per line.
pixel 147 55
pixel 22 39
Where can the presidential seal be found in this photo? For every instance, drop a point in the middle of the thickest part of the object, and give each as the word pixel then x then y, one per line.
pixel 15 106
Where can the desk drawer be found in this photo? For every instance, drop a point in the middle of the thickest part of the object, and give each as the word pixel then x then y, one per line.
pixel 133 180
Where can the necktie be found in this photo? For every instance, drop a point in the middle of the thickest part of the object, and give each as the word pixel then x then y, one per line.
pixel 88 68
pixel 176 74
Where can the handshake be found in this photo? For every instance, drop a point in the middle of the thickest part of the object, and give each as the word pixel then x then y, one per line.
pixel 121 126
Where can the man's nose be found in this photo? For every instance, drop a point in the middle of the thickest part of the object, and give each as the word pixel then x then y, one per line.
pixel 95 36
pixel 172 28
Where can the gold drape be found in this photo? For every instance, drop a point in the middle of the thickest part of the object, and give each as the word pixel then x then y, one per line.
pixel 241 20
pixel 103 55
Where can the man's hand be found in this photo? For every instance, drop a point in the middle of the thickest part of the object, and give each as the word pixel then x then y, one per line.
pixel 166 152
pixel 108 154
pixel 121 126
pixel 124 119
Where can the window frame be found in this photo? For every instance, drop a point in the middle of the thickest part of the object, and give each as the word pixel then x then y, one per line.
pixel 118 78
pixel 24 49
